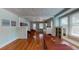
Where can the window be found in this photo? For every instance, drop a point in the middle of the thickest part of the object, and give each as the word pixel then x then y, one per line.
pixel 56 22
pixel 41 25
pixel 75 24
pixel 34 25
pixel 64 21
pixel 64 25
pixel 70 26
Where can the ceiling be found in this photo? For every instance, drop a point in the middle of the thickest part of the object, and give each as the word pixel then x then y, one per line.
pixel 35 14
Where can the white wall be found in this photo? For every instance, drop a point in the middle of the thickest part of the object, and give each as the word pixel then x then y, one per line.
pixel 8 33
pixel 49 30
pixel 22 31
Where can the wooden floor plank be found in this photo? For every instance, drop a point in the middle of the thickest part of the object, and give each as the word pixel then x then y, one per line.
pixel 35 44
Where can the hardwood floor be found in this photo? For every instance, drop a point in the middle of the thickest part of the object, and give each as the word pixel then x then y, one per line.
pixel 47 42
pixel 53 45
pixel 24 44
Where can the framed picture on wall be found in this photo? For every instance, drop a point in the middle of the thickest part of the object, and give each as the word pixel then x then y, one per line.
pixel 48 25
pixel 5 22
pixel 13 23
pixel 23 24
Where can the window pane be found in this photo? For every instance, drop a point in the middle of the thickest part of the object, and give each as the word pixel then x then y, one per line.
pixel 41 25
pixel 75 30
pixel 56 22
pixel 64 21
pixel 75 18
pixel 34 26
pixel 64 25
pixel 75 24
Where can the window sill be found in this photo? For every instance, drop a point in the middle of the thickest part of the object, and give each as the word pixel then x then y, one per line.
pixel 72 41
